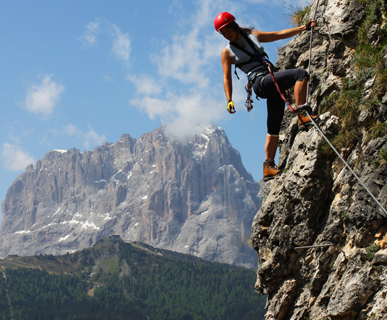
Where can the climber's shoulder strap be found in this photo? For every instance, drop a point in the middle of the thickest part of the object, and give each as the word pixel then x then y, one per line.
pixel 251 55
pixel 236 45
pixel 263 57
pixel 255 55
pixel 239 65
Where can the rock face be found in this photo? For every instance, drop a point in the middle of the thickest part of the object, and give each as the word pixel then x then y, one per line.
pixel 317 201
pixel 194 197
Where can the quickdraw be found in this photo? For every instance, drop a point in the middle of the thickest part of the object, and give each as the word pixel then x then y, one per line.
pixel 249 100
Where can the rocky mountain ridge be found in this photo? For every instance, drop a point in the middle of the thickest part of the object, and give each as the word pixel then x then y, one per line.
pixel 317 201
pixel 194 197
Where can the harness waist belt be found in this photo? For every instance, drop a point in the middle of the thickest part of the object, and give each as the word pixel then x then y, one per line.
pixel 253 75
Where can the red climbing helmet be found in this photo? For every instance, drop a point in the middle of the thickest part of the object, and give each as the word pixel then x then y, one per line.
pixel 223 19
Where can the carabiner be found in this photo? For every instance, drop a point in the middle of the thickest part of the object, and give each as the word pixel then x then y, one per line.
pixel 249 101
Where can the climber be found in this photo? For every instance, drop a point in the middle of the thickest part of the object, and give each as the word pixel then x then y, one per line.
pixel 251 61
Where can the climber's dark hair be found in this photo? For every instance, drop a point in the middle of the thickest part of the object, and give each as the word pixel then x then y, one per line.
pixel 233 25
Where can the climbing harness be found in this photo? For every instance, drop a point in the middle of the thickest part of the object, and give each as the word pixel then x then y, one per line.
pixel 307 112
pixel 264 61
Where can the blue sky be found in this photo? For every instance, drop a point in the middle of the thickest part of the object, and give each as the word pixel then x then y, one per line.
pixel 76 74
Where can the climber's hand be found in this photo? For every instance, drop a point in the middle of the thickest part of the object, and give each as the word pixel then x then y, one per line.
pixel 230 107
pixel 310 25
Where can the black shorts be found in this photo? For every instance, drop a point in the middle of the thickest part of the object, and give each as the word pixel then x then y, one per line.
pixel 275 105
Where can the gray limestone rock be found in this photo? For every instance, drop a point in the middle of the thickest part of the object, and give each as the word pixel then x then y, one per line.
pixel 317 201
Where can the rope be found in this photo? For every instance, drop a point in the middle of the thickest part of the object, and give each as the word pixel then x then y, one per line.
pixel 278 89
pixel 310 54
pixel 297 111
pixel 315 246
pixel 383 211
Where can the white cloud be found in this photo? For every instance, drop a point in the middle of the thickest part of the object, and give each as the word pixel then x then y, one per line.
pixel 90 35
pixel 284 2
pixel 15 158
pixel 108 78
pixel 92 138
pixel 43 97
pixel 13 138
pixel 183 115
pixel 89 138
pixel 195 50
pixel 71 130
pixel 181 94
pixel 181 60
pixel 190 56
pixel 145 84
pixel 154 107
pixel 260 1
pixel 299 3
pixel 121 44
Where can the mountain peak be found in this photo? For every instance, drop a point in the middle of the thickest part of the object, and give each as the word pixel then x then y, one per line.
pixel 191 196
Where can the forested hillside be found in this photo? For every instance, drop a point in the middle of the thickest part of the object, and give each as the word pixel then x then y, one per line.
pixel 117 280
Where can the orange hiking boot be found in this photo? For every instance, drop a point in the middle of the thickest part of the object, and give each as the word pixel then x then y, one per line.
pixel 270 170
pixel 304 121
